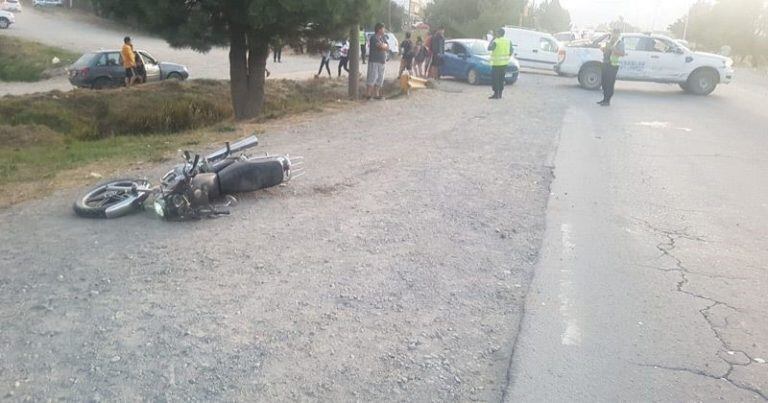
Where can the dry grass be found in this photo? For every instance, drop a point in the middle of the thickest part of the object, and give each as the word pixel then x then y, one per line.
pixel 22 60
pixel 46 140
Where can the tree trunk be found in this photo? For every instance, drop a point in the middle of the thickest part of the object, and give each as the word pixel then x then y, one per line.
pixel 247 69
pixel 238 72
pixel 354 61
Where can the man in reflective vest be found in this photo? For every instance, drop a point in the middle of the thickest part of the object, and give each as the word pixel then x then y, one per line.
pixel 612 51
pixel 363 45
pixel 501 51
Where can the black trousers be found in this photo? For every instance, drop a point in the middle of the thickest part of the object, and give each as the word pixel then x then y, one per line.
pixel 497 79
pixel 343 62
pixel 609 80
pixel 278 54
pixel 327 64
pixel 362 53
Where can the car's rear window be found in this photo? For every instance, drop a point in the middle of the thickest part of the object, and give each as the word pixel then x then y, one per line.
pixel 84 60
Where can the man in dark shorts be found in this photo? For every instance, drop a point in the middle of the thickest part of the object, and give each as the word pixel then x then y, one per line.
pixel 437 48
pixel 129 61
pixel 406 51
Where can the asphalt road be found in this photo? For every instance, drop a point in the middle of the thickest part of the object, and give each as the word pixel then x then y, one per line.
pixel 652 278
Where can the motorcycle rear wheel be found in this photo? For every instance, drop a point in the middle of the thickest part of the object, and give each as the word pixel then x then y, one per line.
pixel 100 202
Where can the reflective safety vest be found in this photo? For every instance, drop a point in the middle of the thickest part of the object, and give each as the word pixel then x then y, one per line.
pixel 362 38
pixel 501 52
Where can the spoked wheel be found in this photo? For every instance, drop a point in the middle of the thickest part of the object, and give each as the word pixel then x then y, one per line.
pixel 112 199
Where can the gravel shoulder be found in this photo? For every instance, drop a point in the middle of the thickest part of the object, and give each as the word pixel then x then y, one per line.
pixel 395 270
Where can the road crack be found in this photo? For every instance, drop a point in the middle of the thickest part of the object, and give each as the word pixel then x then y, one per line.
pixel 667 248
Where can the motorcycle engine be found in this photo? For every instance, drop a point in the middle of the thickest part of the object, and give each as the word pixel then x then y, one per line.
pixel 184 197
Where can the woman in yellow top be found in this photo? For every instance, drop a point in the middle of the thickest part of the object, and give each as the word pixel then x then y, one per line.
pixel 129 61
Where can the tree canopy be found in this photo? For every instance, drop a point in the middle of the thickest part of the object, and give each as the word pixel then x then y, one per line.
pixel 473 19
pixel 740 24
pixel 246 26
pixel 550 16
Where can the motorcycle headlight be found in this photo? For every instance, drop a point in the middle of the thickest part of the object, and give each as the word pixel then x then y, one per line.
pixel 160 207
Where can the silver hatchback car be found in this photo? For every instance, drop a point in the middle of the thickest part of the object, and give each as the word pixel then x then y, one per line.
pixel 104 69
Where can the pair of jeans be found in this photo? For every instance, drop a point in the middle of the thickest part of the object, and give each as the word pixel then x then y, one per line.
pixel 327 64
pixel 343 63
pixel 497 79
pixel 609 80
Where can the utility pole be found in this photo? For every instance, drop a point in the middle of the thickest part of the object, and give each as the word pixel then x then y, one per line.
pixel 687 20
pixel 410 15
pixel 389 12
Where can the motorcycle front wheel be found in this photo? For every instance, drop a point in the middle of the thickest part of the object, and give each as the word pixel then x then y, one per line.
pixel 112 199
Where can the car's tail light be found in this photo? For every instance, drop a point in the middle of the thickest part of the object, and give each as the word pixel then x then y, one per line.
pixel 84 72
pixel 561 55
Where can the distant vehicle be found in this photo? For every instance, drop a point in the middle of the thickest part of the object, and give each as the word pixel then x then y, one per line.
pixel 651 58
pixel 6 19
pixel 47 3
pixel 11 5
pixel 105 69
pixel 469 59
pixel 394 45
pixel 533 49
pixel 566 37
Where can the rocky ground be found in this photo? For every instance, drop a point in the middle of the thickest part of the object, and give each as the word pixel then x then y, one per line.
pixel 394 270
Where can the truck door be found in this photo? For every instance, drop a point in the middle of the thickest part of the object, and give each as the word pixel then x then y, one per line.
pixel 635 64
pixel 667 62
pixel 546 53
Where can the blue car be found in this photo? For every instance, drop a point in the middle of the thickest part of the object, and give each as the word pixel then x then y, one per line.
pixel 469 59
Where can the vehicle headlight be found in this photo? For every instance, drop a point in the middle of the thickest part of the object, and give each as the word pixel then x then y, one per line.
pixel 729 62
pixel 159 207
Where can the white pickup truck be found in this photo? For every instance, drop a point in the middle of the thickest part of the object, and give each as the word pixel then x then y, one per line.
pixel 652 58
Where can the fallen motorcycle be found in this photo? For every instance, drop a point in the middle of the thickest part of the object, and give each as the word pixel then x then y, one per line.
pixel 198 188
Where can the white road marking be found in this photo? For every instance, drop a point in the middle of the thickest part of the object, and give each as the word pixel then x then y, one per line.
pixel 572 334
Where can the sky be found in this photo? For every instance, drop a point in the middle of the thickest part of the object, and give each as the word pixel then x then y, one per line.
pixel 647 14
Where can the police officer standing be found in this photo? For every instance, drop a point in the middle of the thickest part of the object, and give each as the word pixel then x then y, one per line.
pixel 612 51
pixel 501 51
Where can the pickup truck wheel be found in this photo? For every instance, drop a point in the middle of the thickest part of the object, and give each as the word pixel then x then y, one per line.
pixel 175 76
pixel 473 78
pixel 684 87
pixel 4 23
pixel 702 82
pixel 591 77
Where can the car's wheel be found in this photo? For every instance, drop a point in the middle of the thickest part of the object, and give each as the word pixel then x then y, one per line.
pixel 702 82
pixel 591 77
pixel 101 83
pixel 473 77
pixel 4 23
pixel 175 76
pixel 684 87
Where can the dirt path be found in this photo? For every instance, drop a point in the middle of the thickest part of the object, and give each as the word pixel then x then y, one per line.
pixel 394 270
pixel 79 34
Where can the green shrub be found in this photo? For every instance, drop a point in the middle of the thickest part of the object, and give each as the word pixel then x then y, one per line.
pixel 22 60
